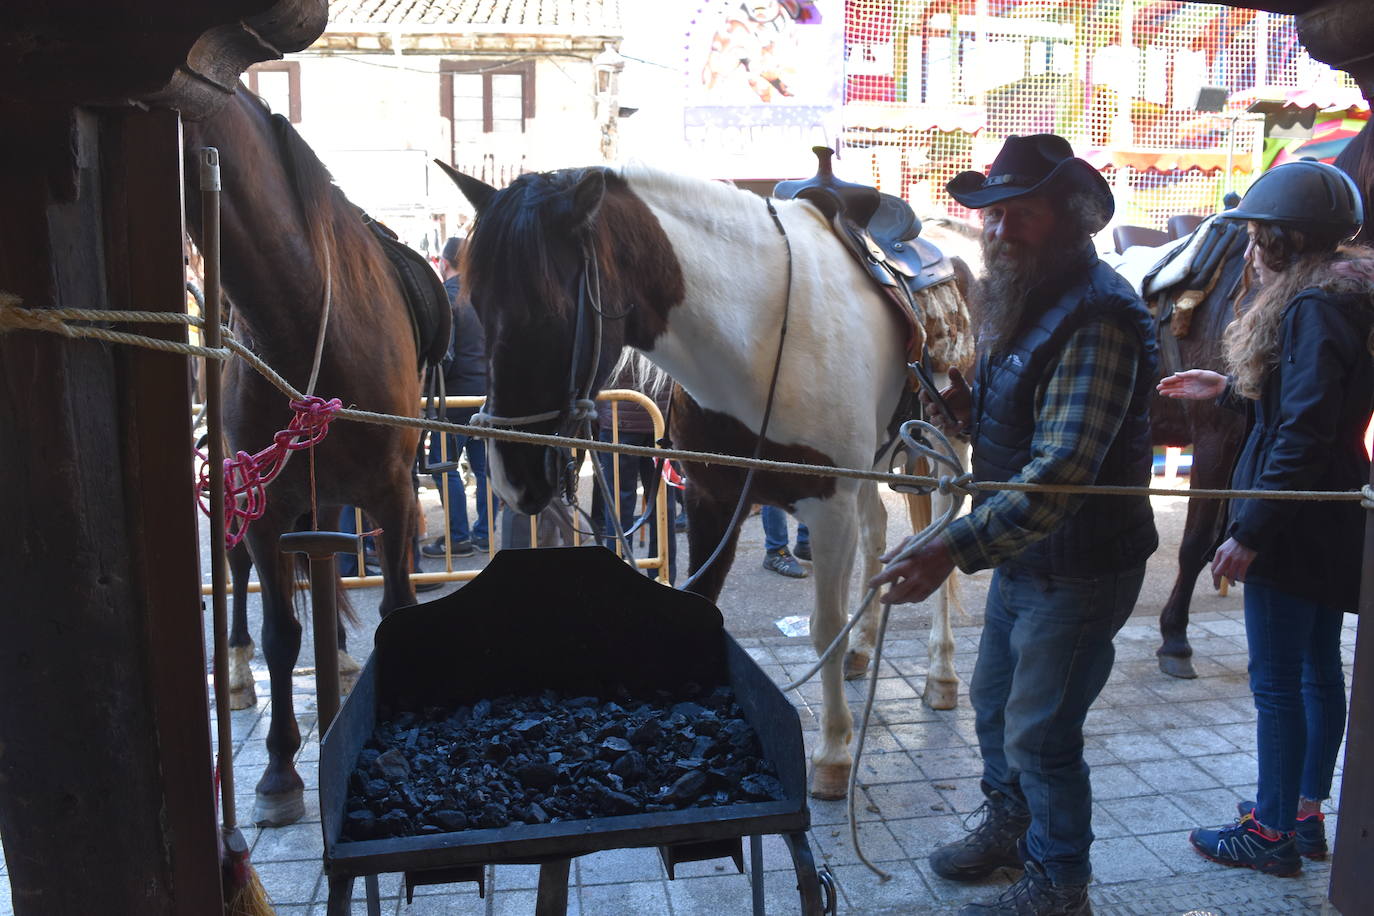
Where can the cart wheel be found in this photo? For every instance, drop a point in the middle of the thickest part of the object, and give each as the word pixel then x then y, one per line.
pixel 828 890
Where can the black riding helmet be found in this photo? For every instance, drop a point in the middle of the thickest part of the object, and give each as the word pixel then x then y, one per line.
pixel 1303 194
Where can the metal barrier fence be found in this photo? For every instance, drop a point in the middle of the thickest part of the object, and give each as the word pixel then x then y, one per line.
pixel 573 531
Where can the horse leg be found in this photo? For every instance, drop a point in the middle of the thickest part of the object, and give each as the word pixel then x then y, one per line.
pixel 708 522
pixel 394 510
pixel 942 682
pixel 834 533
pixel 872 539
pixel 242 691
pixel 280 792
pixel 1211 468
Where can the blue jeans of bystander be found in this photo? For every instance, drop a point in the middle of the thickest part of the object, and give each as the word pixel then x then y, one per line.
pixel 457 502
pixel 1045 655
pixel 1299 688
pixel 775 529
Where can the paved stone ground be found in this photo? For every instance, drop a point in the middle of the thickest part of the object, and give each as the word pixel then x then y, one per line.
pixel 1166 755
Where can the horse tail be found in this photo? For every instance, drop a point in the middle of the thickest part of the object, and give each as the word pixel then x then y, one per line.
pixel 295 569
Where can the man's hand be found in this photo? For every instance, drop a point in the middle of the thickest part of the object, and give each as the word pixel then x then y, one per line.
pixel 1232 561
pixel 916 577
pixel 958 398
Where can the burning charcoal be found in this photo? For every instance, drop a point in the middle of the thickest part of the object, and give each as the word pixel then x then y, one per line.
pixel 391 765
pixel 497 750
pixel 686 788
pixel 530 729
pixel 761 786
pixel 613 748
pixel 360 825
pixel 493 815
pixel 450 819
pixel 647 733
pixel 630 767
pixel 538 775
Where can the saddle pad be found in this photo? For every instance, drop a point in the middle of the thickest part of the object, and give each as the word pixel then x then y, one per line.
pixel 431 318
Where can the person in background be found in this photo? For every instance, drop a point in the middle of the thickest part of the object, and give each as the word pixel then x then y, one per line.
pixel 635 427
pixel 1065 371
pixel 465 373
pixel 776 557
pixel 1299 362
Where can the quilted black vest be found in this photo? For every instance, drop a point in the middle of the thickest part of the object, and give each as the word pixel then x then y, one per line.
pixel 1107 533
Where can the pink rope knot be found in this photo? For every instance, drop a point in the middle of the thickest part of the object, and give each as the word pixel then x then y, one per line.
pixel 246 476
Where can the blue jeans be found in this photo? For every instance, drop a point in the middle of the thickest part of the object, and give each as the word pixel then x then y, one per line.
pixel 775 529
pixel 457 494
pixel 1045 654
pixel 1299 688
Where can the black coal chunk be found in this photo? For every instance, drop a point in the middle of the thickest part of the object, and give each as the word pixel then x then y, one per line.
pixel 510 761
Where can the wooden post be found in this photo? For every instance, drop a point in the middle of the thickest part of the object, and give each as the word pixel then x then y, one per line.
pixel 107 803
pixel 1352 880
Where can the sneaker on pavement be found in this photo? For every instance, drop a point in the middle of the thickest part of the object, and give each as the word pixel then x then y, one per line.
pixel 783 563
pixel 803 552
pixel 481 543
pixel 1244 845
pixel 1311 832
pixel 989 846
pixel 1034 895
pixel 435 548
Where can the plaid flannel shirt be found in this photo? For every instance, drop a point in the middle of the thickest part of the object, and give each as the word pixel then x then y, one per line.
pixel 1081 408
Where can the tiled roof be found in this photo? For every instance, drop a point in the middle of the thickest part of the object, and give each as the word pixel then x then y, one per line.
pixel 571 15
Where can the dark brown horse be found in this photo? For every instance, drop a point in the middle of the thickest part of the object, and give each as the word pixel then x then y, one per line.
pixel 1215 434
pixel 291 242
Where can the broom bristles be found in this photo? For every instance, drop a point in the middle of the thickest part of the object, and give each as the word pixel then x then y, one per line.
pixel 244 894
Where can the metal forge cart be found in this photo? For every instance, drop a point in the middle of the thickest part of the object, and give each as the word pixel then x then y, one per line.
pixel 576 620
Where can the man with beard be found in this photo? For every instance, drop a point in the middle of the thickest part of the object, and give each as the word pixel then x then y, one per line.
pixel 1066 363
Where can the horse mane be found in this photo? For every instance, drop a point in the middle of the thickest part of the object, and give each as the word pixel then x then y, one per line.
pixel 1357 161
pixel 333 222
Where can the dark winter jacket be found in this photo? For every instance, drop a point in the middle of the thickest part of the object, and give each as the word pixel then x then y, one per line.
pixel 1308 434
pixel 465 367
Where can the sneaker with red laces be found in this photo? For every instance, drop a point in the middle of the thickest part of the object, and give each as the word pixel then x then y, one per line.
pixel 1311 832
pixel 1245 845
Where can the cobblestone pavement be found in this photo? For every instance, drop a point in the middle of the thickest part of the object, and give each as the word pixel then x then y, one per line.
pixel 1166 755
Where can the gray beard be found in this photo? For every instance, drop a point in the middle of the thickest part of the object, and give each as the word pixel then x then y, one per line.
pixel 1009 275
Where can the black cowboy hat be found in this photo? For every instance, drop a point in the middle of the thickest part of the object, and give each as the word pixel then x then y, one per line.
pixel 1038 164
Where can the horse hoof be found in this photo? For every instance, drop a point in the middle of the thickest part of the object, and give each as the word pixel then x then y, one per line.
pixel 830 781
pixel 1177 666
pixel 242 692
pixel 243 698
pixel 349 669
pixel 941 694
pixel 855 664
pixel 279 810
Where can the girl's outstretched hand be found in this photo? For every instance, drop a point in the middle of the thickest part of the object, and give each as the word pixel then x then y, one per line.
pixel 1193 385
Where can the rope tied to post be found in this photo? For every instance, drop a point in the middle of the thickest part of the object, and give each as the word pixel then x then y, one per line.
pixel 246 476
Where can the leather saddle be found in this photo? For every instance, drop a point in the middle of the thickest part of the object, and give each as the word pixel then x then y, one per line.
pixel 1207 263
pixel 431 318
pixel 881 231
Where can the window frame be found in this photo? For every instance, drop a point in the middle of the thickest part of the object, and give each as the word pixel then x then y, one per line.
pixel 292 69
pixel 523 68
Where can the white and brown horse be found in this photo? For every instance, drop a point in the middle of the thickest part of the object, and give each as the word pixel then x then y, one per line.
pixel 699 277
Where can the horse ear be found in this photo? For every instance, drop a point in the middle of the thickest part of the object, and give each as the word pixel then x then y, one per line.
pixel 478 193
pixel 587 195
